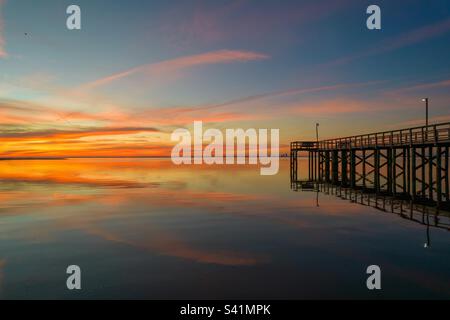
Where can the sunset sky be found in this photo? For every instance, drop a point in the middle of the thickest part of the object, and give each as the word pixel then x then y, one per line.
pixel 137 70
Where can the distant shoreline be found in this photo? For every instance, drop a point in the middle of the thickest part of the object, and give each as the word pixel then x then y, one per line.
pixel 5 159
pixel 104 157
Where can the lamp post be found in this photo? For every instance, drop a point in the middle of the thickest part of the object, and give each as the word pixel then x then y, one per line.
pixel 317 132
pixel 426 110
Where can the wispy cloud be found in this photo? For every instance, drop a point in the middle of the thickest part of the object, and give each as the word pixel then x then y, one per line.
pixel 211 113
pixel 201 23
pixel 403 40
pixel 76 133
pixel 334 107
pixel 174 65
pixel 292 92
pixel 2 39
pixel 420 122
pixel 415 36
pixel 424 86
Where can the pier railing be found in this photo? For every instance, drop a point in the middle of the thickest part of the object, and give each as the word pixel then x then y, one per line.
pixel 304 145
pixel 424 135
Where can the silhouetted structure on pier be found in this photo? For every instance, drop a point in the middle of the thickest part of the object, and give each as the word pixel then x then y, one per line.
pixel 410 163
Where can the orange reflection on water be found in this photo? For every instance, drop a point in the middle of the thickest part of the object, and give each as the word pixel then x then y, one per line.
pixel 86 195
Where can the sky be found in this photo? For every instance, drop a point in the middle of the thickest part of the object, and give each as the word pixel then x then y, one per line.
pixel 138 70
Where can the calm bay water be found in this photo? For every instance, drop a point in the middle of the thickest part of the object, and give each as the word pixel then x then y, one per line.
pixel 144 228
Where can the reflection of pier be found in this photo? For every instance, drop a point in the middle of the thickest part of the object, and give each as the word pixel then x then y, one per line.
pixel 410 163
pixel 424 214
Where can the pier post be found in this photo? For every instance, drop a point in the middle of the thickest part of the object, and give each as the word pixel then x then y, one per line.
pixel 316 165
pixel 423 163
pixel 294 165
pixel 320 165
pixel 430 173
pixel 344 180
pixel 390 155
pixel 447 191
pixel 364 168
pixel 408 171
pixel 377 170
pixel 352 168
pixel 413 181
pixel 327 166
pixel 309 165
pixel 405 169
pixel 335 164
pixel 438 176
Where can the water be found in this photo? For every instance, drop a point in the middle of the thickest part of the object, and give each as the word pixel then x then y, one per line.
pixel 143 228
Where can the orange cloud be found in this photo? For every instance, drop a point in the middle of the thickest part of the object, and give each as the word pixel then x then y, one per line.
pixel 60 134
pixel 125 126
pixel 222 56
pixel 335 106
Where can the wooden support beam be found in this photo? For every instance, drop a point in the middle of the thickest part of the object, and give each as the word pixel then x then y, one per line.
pixel 430 173
pixel 309 165
pixel 352 168
pixel 335 164
pixel 377 170
pixel 438 176
pixel 364 174
pixel 446 157
pixel 344 179
pixel 413 181
pixel 423 162
pixel 406 171
pixel 327 166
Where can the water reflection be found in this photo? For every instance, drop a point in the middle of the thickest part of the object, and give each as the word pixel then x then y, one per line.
pixel 144 228
pixel 426 215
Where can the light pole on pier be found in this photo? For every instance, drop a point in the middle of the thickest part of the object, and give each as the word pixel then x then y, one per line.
pixel 426 110
pixel 317 132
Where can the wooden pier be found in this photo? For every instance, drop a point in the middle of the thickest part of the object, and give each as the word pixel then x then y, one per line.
pixel 411 163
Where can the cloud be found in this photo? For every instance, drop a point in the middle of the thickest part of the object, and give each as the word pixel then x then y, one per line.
pixel 335 106
pixel 420 122
pixel 75 133
pixel 174 65
pixel 415 36
pixel 403 40
pixel 184 115
pixel 2 39
pixel 33 130
pixel 203 23
pixel 424 86
pixel 291 92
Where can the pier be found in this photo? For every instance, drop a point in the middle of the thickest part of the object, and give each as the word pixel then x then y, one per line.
pixel 410 163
